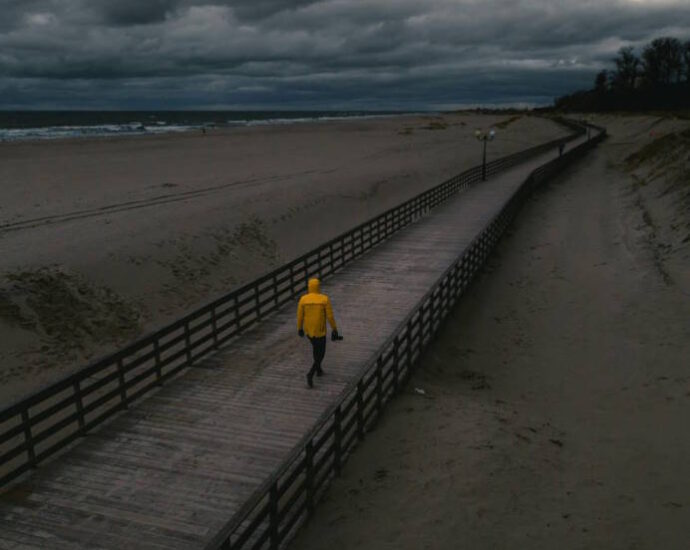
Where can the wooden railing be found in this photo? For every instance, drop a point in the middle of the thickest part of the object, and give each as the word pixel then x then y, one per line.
pixel 271 516
pixel 42 424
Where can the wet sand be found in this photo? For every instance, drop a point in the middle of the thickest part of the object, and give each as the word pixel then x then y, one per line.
pixel 106 239
pixel 557 394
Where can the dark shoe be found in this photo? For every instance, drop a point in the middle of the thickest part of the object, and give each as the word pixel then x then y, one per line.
pixel 310 381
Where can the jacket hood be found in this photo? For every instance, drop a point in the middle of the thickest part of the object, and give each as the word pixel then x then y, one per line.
pixel 314 285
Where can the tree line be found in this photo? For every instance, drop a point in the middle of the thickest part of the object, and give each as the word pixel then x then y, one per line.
pixel 659 78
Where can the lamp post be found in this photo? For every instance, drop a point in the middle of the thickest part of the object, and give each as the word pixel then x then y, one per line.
pixel 484 137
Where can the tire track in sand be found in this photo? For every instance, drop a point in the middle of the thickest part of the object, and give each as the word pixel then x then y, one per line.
pixel 135 204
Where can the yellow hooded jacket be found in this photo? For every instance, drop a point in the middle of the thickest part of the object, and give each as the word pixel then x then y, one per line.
pixel 313 310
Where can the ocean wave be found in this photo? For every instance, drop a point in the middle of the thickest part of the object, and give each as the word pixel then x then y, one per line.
pixel 299 120
pixel 101 130
pixel 185 122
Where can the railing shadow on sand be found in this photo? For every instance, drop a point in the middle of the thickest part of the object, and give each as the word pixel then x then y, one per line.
pixel 39 426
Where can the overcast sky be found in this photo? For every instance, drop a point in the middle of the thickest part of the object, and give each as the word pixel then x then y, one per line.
pixel 300 54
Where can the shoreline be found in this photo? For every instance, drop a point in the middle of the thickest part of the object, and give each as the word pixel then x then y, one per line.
pixel 154 130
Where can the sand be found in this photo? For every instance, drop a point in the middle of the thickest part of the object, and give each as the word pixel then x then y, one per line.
pixel 557 395
pixel 106 239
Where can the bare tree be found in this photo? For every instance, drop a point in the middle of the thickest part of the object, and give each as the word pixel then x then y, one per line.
pixel 658 79
pixel 663 61
pixel 601 81
pixel 627 68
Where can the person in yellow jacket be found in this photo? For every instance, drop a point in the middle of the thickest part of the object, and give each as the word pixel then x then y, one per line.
pixel 313 310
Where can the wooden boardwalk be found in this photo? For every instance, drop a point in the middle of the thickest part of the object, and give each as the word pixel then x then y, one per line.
pixel 170 472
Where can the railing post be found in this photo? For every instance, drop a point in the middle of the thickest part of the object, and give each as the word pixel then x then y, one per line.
pixel 379 384
pixel 337 440
pixel 273 516
pixel 458 276
pixel 214 326
pixel 432 310
pixel 292 280
pixel 360 410
pixel 80 405
pixel 452 284
pixel 396 367
pixel 121 378
pixel 256 302
pixel 438 306
pixel 157 359
pixel 28 438
pixel 236 309
pixel 420 330
pixel 187 343
pixel 410 324
pixel 309 475
pixel 444 297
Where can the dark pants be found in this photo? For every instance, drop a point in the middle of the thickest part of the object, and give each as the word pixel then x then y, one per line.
pixel 319 348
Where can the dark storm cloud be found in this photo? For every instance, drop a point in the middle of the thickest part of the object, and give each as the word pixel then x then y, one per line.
pixel 252 10
pixel 133 12
pixel 339 53
pixel 138 12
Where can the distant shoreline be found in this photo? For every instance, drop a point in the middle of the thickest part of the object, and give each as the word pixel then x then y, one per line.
pixel 42 126
pixel 39 126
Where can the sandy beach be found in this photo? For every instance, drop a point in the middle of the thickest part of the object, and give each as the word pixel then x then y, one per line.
pixel 557 394
pixel 104 239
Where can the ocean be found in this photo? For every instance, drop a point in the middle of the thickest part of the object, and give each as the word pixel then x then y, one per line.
pixel 31 125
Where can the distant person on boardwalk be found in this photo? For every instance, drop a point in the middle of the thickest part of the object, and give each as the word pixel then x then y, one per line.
pixel 313 310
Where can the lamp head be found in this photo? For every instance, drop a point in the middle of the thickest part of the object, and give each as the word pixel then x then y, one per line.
pixel 478 134
pixel 492 133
